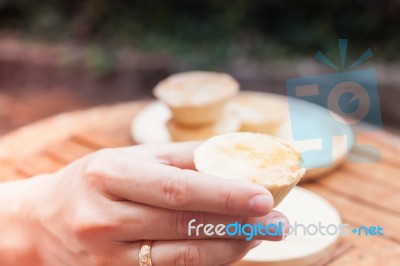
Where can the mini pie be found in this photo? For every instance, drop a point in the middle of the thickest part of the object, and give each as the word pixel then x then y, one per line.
pixel 255 157
pixel 226 124
pixel 259 113
pixel 198 97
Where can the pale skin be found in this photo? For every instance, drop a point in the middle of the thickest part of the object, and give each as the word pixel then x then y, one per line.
pixel 97 211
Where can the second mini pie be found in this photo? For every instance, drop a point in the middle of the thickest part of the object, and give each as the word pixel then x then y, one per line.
pixel 259 112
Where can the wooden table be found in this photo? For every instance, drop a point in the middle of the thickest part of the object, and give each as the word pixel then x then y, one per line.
pixel 364 194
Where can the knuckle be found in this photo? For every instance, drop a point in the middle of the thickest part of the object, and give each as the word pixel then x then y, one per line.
pixel 87 225
pixel 83 231
pixel 96 168
pixel 175 191
pixel 188 256
pixel 227 202
pixel 87 231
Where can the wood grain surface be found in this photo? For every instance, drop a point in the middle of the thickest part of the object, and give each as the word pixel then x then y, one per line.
pixel 364 194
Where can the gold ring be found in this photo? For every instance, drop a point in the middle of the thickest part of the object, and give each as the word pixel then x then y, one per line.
pixel 144 253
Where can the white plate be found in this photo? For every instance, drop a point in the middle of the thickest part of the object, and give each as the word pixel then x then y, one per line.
pixel 149 126
pixel 319 157
pixel 303 207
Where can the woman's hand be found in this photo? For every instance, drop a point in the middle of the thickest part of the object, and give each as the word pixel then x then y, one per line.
pixel 98 210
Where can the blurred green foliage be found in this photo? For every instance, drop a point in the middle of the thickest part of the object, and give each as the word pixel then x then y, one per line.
pixel 212 31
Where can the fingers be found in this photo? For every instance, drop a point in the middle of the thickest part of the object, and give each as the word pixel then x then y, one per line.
pixel 173 188
pixel 178 225
pixel 199 252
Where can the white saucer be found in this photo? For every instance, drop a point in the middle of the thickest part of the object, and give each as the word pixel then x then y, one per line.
pixel 319 122
pixel 303 207
pixel 149 126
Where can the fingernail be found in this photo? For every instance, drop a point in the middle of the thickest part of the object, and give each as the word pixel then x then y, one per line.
pixel 281 223
pixel 255 243
pixel 278 220
pixel 260 203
